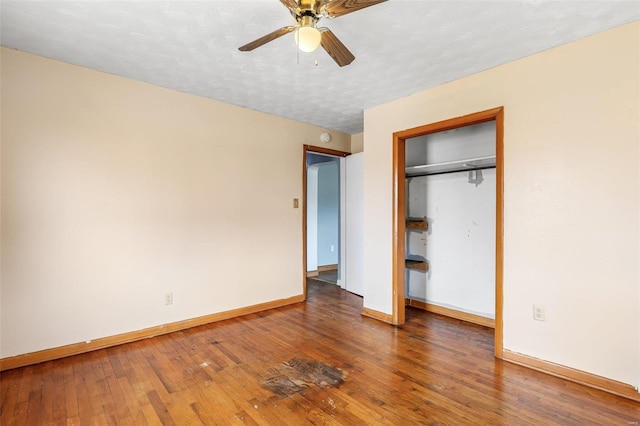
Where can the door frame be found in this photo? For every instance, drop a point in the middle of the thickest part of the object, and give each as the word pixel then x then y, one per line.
pixel 314 150
pixel 399 210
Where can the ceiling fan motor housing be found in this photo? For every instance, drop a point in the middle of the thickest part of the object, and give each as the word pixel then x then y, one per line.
pixel 310 6
pixel 307 19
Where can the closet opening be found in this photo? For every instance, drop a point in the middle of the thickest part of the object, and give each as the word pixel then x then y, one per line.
pixel 447 236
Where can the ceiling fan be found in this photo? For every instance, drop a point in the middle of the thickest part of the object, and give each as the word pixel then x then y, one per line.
pixel 308 36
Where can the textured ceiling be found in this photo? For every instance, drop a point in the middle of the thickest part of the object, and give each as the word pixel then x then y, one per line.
pixel 401 46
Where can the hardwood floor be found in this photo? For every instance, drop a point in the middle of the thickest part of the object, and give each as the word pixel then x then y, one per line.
pixel 432 370
pixel 328 276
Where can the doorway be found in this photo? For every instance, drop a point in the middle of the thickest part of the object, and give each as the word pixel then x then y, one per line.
pixel 323 215
pixel 399 209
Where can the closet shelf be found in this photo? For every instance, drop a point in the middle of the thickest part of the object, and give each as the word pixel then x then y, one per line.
pixel 418 265
pixel 477 163
pixel 417 224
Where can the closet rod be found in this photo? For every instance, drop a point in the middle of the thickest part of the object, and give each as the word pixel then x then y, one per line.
pixel 455 162
pixel 444 172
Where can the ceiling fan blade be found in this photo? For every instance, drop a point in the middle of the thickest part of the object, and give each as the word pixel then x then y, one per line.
pixel 266 39
pixel 335 48
pixel 289 4
pixel 342 7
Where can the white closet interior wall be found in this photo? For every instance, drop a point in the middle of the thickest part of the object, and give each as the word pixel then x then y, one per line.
pixel 459 245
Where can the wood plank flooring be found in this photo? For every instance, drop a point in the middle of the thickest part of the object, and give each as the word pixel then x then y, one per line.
pixel 432 370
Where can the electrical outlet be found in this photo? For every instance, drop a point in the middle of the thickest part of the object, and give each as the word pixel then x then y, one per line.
pixel 538 313
pixel 168 299
pixel 333 248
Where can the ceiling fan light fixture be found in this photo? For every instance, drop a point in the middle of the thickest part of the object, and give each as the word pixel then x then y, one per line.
pixel 307 38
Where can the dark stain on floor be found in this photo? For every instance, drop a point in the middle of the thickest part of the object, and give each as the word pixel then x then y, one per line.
pixel 294 376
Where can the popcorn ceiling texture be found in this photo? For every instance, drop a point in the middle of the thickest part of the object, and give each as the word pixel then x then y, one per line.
pixel 401 47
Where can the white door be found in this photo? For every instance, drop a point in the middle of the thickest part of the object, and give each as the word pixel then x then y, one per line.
pixel 354 261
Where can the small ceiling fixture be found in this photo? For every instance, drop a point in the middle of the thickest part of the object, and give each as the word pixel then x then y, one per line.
pixel 307 35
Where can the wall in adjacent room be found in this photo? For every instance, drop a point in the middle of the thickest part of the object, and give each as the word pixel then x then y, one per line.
pixel 116 192
pixel 328 212
pixel 571 197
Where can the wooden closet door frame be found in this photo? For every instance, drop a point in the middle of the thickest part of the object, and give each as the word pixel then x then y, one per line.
pixel 399 210
pixel 314 150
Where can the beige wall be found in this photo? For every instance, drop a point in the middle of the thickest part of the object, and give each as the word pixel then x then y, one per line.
pixel 571 197
pixel 357 143
pixel 115 192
